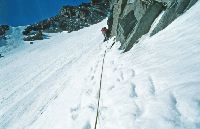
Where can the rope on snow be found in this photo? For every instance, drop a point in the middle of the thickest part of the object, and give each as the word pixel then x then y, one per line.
pixel 100 85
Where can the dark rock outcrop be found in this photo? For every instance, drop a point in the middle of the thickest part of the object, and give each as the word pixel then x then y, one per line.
pixel 70 18
pixel 130 19
pixel 3 29
pixel 144 24
pixel 36 36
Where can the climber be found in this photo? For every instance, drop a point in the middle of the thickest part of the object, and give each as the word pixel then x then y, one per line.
pixel 94 2
pixel 105 33
pixel 1 56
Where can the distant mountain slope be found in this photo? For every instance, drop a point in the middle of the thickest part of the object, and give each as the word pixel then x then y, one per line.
pixel 11 39
pixel 70 18
pixel 22 12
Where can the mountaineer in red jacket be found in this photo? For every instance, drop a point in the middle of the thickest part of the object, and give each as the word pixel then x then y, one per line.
pixel 105 33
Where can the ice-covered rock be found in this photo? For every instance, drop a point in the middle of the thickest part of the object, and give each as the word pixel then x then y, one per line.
pixel 130 19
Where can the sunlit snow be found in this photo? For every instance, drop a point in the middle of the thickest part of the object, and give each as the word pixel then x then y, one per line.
pixel 54 83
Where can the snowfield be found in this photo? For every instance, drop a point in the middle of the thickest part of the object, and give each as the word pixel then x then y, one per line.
pixel 54 83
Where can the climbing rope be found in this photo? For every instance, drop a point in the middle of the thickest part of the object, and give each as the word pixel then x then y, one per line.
pixel 99 94
pixel 100 85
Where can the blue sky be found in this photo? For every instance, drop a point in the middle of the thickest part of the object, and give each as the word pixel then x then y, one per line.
pixel 23 12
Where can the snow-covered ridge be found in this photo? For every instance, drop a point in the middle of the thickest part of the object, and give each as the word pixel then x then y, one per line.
pixel 54 83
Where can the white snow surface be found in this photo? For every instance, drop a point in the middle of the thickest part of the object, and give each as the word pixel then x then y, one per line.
pixel 54 83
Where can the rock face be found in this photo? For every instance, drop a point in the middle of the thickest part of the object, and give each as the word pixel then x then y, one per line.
pixel 3 29
pixel 37 36
pixel 130 19
pixel 70 18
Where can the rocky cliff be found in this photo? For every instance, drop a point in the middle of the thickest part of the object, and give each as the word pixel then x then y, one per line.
pixel 130 19
pixel 3 31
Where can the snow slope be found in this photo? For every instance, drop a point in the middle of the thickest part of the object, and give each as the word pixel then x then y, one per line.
pixel 54 83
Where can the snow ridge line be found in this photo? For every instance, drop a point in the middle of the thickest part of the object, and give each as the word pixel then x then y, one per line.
pixel 100 85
